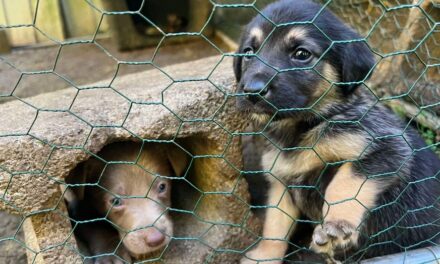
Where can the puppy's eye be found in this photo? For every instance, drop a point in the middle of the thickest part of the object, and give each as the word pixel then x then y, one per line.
pixel 301 54
pixel 116 202
pixel 248 52
pixel 162 187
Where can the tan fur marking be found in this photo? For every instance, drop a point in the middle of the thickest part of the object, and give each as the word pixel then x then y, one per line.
pixel 279 223
pixel 328 75
pixel 258 34
pixel 341 147
pixel 349 196
pixel 296 33
pixel 260 118
pixel 279 220
pixel 324 95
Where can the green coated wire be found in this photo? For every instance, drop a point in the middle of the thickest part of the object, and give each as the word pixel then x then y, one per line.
pixel 387 11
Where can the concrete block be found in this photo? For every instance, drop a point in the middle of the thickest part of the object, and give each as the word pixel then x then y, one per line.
pixel 39 148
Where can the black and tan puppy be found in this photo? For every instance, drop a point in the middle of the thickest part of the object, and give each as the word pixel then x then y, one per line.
pixel 337 157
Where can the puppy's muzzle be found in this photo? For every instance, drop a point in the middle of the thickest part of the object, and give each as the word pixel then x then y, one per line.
pixel 255 90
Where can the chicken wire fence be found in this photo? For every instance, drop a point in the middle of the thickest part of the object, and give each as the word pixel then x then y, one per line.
pixel 404 36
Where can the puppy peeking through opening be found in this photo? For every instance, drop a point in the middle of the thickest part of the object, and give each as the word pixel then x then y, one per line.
pixel 122 209
pixel 335 155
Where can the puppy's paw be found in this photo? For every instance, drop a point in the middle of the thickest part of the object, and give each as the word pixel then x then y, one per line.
pixel 333 236
pixel 266 252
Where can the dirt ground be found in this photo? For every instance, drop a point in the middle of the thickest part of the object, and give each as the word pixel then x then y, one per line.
pixel 82 64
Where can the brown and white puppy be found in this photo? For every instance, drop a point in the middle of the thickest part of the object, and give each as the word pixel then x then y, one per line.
pixel 335 156
pixel 130 188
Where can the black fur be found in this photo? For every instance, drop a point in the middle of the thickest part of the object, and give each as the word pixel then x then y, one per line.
pixel 407 213
pixel 353 59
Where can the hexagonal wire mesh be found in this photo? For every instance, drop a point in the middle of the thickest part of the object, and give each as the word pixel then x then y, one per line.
pixel 402 34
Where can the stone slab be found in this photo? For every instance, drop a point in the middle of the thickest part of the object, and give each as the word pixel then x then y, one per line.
pixel 43 138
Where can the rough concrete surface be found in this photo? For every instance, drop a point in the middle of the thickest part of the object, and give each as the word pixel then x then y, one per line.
pixel 86 63
pixel 39 148
pixel 11 251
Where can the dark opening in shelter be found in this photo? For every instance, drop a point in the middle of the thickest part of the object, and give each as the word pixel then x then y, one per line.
pixel 171 16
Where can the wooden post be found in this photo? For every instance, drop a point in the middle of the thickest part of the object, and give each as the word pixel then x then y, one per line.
pixel 4 43
pixel 121 26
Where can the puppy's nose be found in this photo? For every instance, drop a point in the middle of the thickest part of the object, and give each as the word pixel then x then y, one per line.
pixel 255 86
pixel 155 238
pixel 255 90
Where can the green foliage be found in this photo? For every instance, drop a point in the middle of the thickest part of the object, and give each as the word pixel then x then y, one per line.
pixel 431 138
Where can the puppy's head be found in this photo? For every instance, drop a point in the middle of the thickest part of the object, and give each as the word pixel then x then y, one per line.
pixel 137 204
pixel 302 57
pixel 135 196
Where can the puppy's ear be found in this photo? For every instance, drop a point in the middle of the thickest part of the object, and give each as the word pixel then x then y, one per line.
pixel 356 64
pixel 178 159
pixel 92 170
pixel 237 65
pixel 86 172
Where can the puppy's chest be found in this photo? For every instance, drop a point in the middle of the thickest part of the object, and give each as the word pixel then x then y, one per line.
pixel 306 187
pixel 285 165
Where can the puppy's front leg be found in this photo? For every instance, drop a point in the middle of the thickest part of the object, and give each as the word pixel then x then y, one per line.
pixel 347 199
pixel 278 225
